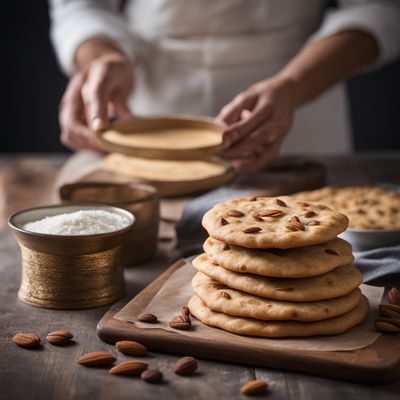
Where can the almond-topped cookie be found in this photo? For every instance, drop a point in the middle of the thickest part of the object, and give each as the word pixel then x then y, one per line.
pixel 367 207
pixel 255 327
pixel 241 304
pixel 298 262
pixel 338 282
pixel 273 222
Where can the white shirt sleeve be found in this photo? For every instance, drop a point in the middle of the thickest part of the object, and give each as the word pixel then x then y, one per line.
pixel 379 18
pixel 74 21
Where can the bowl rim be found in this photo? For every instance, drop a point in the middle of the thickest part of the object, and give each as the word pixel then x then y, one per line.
pixel 372 230
pixel 131 216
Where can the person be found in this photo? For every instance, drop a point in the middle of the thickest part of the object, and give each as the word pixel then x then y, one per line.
pixel 271 71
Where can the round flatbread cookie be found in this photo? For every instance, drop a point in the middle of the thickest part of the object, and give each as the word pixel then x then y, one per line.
pixel 367 207
pixel 299 262
pixel 254 327
pixel 335 283
pixel 220 298
pixel 272 222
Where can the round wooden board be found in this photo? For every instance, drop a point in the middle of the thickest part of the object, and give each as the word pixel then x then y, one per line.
pixel 170 188
pixel 156 125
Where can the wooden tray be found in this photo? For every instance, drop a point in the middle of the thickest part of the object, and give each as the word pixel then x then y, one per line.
pixel 378 363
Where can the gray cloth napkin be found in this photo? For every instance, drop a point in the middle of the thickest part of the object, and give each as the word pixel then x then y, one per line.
pixel 379 267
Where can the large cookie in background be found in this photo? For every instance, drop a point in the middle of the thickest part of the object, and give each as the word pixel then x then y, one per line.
pixel 254 327
pixel 299 262
pixel 269 222
pixel 367 207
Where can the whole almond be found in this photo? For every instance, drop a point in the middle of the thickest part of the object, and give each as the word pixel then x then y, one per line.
pixel 252 229
pixel 131 368
pixel 180 322
pixel 147 317
pixel 185 366
pixel 270 213
pixel 390 310
pixel 390 307
pixel 310 214
pixel 394 296
pixel 235 213
pixel 152 375
pixel 281 203
pixel 131 348
pixel 97 359
pixel 27 340
pixel 254 386
pixel 386 327
pixel 59 337
pixel 394 321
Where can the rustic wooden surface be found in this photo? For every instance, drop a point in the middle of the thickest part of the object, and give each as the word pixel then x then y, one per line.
pixel 379 362
pixel 52 372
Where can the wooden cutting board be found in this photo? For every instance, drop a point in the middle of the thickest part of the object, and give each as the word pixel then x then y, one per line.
pixel 378 363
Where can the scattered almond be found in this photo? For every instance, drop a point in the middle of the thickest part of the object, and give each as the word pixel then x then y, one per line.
pixel 252 198
pixel 59 337
pixel 131 368
pixel 225 295
pixel 394 296
pixel 185 366
pixel 223 221
pixel 254 386
pixel 97 359
pixel 390 310
pixel 147 317
pixel 27 340
pixel 235 213
pixel 386 327
pixel 252 229
pixel 131 348
pixel 180 322
pixel 258 218
pixel 152 375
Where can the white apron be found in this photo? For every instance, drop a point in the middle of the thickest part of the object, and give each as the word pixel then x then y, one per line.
pixel 194 56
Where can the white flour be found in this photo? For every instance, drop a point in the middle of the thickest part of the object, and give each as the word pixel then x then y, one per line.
pixel 83 222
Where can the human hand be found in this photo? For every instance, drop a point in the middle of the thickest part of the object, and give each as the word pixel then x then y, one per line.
pixel 257 121
pixel 104 87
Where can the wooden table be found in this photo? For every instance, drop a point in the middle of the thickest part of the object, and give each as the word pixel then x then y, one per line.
pixel 52 372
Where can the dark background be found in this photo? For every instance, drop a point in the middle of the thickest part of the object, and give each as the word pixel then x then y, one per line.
pixel 34 85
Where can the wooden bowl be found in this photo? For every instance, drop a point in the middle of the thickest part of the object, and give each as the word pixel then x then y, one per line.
pixel 163 137
pixel 141 200
pixel 69 271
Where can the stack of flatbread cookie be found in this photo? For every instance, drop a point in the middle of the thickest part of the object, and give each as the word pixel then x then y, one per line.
pixel 274 267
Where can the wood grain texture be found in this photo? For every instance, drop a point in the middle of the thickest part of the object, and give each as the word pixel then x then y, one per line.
pixel 52 373
pixel 378 363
